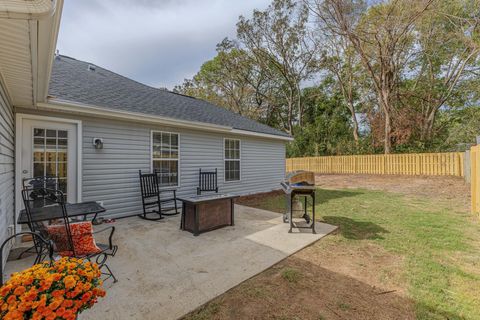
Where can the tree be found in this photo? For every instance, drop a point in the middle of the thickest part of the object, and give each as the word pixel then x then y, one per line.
pixel 233 80
pixel 278 39
pixel 460 128
pixel 340 59
pixel 382 36
pixel 447 58
pixel 327 129
pixel 225 81
pixel 410 68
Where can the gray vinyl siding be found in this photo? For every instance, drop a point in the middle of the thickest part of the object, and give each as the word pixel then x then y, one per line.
pixel 111 174
pixel 7 165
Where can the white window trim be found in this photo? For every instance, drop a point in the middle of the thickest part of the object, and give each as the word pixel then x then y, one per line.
pixel 239 160
pixel 178 159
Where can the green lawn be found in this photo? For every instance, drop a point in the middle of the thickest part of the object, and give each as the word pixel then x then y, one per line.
pixel 440 244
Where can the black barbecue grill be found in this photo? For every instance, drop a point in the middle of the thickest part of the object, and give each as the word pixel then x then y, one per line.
pixel 300 185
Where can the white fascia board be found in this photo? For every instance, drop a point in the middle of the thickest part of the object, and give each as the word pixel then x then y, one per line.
pixel 94 111
pixel 261 135
pixel 47 41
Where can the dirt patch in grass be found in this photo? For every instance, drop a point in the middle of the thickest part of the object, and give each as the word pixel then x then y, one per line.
pixel 365 262
pixel 441 188
pixel 254 199
pixel 324 281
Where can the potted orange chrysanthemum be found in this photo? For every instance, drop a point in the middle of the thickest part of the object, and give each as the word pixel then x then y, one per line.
pixel 51 291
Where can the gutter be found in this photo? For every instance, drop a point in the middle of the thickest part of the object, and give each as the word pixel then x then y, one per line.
pixel 27 10
pixel 48 34
pixel 260 134
pixel 60 105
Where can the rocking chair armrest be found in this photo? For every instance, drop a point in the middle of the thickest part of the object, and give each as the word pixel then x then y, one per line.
pixel 112 230
pixel 167 190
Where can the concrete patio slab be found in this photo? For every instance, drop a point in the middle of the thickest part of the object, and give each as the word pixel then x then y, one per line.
pixel 165 273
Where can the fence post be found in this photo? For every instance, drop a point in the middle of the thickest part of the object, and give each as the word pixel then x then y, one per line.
pixel 467 166
pixel 417 164
pixel 475 178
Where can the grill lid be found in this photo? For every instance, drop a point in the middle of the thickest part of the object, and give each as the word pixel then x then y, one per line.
pixel 300 178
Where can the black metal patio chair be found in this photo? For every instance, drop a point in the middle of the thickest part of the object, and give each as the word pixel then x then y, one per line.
pixel 49 182
pixel 152 200
pixel 34 196
pixel 207 181
pixel 47 249
pixel 63 234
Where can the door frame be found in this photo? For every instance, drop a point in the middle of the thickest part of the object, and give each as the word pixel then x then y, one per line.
pixel 19 117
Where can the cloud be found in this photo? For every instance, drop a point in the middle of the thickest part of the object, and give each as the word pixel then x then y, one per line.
pixel 155 42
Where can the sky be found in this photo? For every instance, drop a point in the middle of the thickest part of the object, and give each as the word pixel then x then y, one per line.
pixel 156 42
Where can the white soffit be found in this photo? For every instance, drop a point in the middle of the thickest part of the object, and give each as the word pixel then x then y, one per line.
pixel 16 60
pixel 25 9
pixel 28 35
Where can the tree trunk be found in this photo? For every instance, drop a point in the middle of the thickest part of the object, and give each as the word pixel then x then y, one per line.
pixel 385 106
pixel 388 133
pixel 290 117
pixel 300 106
pixel 355 124
pixel 429 125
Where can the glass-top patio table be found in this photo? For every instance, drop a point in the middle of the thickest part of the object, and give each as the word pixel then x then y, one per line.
pixel 53 212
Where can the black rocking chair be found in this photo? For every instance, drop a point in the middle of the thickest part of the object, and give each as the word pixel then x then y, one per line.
pixel 207 181
pixel 151 197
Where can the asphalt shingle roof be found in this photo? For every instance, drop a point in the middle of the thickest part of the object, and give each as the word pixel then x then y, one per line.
pixel 72 80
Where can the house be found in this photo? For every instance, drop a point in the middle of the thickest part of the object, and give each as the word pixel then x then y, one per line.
pixel 95 129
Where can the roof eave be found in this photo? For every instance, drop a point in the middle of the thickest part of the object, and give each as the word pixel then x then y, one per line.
pixel 48 36
pixel 36 25
pixel 59 105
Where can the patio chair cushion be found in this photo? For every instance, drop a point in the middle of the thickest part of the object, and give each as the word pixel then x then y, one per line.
pixel 82 238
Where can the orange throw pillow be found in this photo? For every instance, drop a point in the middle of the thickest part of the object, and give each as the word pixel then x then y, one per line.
pixel 83 240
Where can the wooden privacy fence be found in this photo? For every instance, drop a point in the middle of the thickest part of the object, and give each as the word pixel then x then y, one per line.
pixel 475 178
pixel 435 164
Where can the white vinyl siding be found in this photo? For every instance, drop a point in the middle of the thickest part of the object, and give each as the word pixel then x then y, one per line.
pixel 7 167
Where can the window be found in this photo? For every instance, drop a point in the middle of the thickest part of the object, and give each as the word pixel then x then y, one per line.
pixel 165 157
pixel 50 148
pixel 232 159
